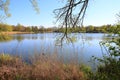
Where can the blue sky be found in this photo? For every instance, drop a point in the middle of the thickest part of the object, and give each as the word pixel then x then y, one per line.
pixel 99 12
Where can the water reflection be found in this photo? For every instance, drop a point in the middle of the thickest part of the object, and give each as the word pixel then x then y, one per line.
pixel 19 38
pixel 73 37
pixel 83 45
pixel 5 38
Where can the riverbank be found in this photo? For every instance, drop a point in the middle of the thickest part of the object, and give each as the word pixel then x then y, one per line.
pixel 41 68
pixel 16 32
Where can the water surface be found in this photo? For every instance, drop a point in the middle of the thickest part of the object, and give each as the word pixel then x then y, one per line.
pixel 84 46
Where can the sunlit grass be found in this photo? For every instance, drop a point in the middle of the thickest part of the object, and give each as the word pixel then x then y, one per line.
pixel 5 57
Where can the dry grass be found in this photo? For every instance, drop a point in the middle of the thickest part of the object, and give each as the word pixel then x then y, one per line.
pixel 42 68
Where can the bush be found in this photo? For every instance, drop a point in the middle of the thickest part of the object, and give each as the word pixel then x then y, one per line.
pixel 110 68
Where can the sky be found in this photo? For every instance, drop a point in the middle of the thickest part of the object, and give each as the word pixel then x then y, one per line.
pixel 99 12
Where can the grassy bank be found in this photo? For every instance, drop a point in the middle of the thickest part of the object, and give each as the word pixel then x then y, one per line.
pixel 41 68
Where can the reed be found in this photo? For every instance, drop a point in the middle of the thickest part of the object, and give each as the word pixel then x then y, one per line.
pixel 42 67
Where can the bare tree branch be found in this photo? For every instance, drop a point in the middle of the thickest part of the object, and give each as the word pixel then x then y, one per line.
pixel 66 13
pixel 118 17
pixel 35 5
pixel 70 16
pixel 4 6
pixel 1 4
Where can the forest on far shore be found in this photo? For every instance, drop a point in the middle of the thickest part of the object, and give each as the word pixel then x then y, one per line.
pixel 41 29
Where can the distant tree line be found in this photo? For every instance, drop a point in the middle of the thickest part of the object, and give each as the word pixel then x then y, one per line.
pixel 21 28
pixel 91 29
pixel 41 29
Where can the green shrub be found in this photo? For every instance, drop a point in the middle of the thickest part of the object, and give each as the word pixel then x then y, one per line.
pixel 110 62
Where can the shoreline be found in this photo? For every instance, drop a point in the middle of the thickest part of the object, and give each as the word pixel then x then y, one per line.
pixel 9 33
